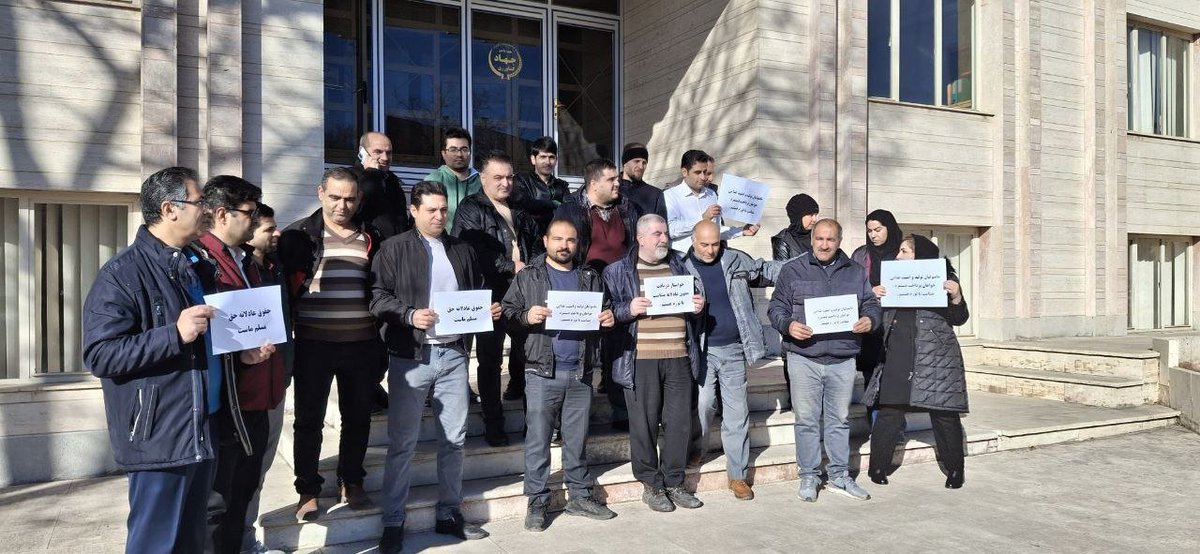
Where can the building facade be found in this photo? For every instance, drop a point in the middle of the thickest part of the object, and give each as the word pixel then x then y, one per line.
pixel 1052 147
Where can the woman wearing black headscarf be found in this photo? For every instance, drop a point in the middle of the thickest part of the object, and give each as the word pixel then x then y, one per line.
pixel 796 238
pixel 922 370
pixel 883 243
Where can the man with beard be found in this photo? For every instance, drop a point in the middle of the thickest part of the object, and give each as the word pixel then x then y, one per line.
pixel 456 175
pixel 503 237
pixel 822 366
pixel 657 362
pixel 326 262
pixel 410 268
pixel 647 197
pixel 606 224
pixel 539 192
pixel 560 365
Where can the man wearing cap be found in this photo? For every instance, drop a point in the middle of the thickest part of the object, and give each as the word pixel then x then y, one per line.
pixel 633 168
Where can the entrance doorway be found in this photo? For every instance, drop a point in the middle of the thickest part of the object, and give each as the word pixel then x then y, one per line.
pixel 507 72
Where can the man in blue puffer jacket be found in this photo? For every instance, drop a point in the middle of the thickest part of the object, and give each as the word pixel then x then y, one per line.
pixel 822 366
pixel 144 322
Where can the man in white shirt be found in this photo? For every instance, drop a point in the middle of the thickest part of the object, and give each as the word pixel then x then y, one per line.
pixel 694 200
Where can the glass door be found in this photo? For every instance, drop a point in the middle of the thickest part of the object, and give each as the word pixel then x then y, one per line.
pixel 585 96
pixel 508 83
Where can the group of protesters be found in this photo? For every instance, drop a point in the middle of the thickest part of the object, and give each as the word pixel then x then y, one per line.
pixel 196 432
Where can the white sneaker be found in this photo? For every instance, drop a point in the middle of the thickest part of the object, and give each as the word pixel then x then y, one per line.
pixel 846 486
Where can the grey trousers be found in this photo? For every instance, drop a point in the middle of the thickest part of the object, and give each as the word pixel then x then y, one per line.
pixel 726 365
pixel 546 400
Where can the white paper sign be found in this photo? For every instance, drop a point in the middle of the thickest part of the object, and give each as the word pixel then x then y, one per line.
pixel 574 311
pixel 246 319
pixel 461 312
pixel 913 283
pixel 670 295
pixel 742 199
pixel 831 314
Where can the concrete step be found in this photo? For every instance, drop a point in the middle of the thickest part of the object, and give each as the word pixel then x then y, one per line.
pixel 1093 390
pixel 1068 357
pixel 498 498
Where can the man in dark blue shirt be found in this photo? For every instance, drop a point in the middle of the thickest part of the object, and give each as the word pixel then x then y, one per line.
pixel 558 368
pixel 734 341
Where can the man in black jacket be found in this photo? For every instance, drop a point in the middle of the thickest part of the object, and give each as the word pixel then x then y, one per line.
pixel 411 267
pixel 383 204
pixel 503 237
pixel 648 198
pixel 560 382
pixel 326 260
pixel 539 192
pixel 144 322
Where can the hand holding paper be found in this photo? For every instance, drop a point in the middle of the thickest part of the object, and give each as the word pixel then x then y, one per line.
pixel 913 283
pixel 833 314
pixel 573 311
pixel 245 319
pixel 742 199
pixel 462 312
pixel 671 295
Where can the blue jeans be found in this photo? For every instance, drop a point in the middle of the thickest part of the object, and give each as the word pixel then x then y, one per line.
pixel 726 365
pixel 821 394
pixel 409 383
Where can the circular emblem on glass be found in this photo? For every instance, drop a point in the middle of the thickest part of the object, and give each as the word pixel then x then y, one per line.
pixel 505 61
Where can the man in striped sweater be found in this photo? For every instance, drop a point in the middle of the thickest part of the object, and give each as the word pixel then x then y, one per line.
pixel 655 360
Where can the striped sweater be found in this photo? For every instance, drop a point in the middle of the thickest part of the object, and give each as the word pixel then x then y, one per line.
pixel 662 336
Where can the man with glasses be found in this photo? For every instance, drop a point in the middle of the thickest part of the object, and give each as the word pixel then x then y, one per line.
pixel 251 390
pixel 326 261
pixel 456 175
pixel 143 326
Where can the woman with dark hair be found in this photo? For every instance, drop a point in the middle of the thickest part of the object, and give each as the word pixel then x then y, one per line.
pixel 883 243
pixel 921 371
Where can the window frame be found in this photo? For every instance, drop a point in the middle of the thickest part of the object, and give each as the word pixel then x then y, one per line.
pixel 1132 26
pixel 894 42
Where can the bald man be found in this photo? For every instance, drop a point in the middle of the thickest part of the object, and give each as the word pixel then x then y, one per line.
pixel 733 340
pixel 822 366
pixel 383 205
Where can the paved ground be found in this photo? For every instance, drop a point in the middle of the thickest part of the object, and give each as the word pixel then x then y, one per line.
pixel 1131 493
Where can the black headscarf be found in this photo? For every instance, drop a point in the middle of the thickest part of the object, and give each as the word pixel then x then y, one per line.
pixel 890 247
pixel 799 206
pixel 925 249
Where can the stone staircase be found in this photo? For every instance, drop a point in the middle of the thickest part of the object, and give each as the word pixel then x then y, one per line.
pixel 1092 373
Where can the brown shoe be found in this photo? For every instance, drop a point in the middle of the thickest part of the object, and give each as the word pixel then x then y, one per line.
pixel 307 509
pixel 695 460
pixel 741 489
pixel 355 497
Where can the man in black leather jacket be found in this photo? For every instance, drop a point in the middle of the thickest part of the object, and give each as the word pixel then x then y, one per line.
pixel 503 237
pixel 538 192
pixel 383 204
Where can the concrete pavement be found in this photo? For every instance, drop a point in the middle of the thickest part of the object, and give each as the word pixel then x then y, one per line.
pixel 1130 493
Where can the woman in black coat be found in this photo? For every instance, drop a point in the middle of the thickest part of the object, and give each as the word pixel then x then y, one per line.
pixel 921 370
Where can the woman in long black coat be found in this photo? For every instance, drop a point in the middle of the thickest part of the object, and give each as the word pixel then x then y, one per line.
pixel 921 371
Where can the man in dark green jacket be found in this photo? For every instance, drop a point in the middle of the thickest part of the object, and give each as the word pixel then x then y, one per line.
pixel 456 175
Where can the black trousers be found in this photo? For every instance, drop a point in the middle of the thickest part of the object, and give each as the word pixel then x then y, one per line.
pixel 166 509
pixel 889 423
pixel 237 479
pixel 354 366
pixel 663 394
pixel 489 350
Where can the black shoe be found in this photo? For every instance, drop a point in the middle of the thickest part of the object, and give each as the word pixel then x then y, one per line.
pixel 682 498
pixel 621 425
pixel 878 477
pixel 589 508
pixel 955 480
pixel 495 436
pixel 535 518
pixel 392 541
pixel 657 499
pixel 455 526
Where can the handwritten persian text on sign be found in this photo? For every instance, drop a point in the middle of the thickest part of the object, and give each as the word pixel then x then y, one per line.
pixel 913 283
pixel 831 314
pixel 574 311
pixel 670 295
pixel 460 312
pixel 742 199
pixel 246 319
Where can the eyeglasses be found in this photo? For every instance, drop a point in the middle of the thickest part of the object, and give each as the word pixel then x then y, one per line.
pixel 463 150
pixel 248 213
pixel 197 203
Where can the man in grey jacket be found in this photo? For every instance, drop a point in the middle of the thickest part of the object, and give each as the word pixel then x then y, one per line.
pixel 822 366
pixel 734 340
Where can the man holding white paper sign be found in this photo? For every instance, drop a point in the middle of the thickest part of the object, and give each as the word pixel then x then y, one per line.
pixel 410 268
pixel 656 361
pixel 558 366
pixel 822 365
pixel 695 200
